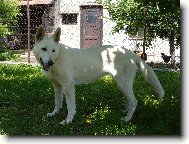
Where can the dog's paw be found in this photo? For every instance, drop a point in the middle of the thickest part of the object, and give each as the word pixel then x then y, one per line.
pixel 126 119
pixel 55 112
pixel 63 123
pixel 51 114
pixel 124 111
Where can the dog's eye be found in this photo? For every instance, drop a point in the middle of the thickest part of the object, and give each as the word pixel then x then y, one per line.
pixel 53 50
pixel 44 49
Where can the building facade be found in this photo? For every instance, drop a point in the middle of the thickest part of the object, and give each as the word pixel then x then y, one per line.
pixel 84 24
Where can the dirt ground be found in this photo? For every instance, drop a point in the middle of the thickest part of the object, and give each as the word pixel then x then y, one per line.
pixel 24 57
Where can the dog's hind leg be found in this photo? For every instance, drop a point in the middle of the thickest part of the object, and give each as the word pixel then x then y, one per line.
pixel 58 99
pixel 126 85
pixel 70 100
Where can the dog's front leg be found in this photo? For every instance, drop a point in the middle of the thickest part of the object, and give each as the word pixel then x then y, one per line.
pixel 58 99
pixel 70 100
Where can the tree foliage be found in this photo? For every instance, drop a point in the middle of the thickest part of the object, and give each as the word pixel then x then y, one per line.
pixel 9 10
pixel 162 19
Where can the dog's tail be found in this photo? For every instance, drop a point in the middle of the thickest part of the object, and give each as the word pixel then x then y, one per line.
pixel 150 76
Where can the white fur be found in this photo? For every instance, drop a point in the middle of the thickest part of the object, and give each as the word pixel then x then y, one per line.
pixel 75 66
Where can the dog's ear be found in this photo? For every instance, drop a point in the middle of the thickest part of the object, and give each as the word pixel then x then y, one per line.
pixel 40 34
pixel 56 35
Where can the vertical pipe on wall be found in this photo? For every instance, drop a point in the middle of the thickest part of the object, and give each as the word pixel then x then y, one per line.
pixel 28 16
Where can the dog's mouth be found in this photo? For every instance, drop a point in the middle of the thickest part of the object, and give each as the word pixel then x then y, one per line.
pixel 46 66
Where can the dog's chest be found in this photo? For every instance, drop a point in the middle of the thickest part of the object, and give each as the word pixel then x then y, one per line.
pixel 52 75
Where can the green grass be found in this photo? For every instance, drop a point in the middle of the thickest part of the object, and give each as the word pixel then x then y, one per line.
pixel 26 96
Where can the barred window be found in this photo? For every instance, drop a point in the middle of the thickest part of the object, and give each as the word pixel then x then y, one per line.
pixel 69 18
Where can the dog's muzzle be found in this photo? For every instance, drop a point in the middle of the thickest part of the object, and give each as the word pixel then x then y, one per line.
pixel 46 66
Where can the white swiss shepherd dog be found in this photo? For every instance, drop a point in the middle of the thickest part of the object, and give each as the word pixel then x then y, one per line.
pixel 67 67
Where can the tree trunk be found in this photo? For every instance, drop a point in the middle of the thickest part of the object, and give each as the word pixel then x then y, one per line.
pixel 144 55
pixel 172 47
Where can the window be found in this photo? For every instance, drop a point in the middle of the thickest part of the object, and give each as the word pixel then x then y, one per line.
pixel 69 18
pixel 91 17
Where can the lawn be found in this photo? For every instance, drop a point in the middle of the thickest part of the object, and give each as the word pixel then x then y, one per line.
pixel 26 96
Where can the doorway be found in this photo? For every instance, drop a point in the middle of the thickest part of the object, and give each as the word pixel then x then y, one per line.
pixel 91 29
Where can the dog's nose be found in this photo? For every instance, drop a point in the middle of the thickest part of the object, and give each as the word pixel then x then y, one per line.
pixel 50 63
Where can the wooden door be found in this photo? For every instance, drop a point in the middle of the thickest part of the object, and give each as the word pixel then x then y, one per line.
pixel 91 26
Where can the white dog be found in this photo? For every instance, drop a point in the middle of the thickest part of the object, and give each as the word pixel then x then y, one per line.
pixel 67 67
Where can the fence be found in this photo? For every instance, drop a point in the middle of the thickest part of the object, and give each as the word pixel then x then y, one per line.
pixel 82 26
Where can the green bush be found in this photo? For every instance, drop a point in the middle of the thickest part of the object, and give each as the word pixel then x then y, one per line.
pixel 9 10
pixel 8 55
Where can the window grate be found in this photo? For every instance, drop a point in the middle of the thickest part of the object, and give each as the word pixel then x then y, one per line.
pixel 69 18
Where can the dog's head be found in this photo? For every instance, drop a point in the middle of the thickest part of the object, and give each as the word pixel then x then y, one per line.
pixel 46 49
